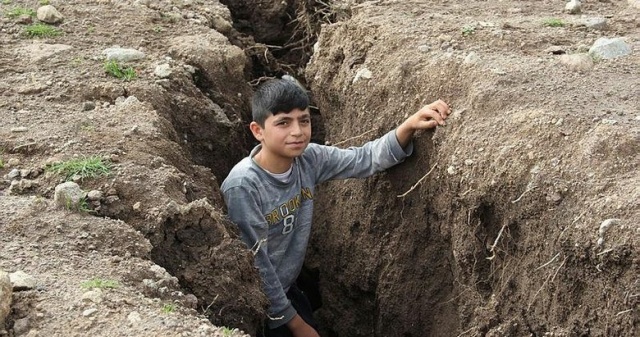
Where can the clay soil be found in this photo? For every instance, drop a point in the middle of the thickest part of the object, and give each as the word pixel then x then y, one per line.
pixel 501 238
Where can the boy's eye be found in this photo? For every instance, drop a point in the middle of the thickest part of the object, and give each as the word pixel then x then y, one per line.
pixel 282 123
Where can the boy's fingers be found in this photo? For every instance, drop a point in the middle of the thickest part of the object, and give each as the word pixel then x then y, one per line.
pixel 436 116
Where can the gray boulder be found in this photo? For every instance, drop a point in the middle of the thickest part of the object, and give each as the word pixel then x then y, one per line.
pixel 606 48
pixel 49 14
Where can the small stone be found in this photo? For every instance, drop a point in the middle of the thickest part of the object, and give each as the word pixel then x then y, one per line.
pixel 136 206
pixel 134 317
pixel 22 281
pixel 609 121
pixel 163 71
pixel 21 326
pixel 123 54
pixel 15 173
pixel 605 225
pixel 471 58
pixel 13 162
pixel 94 296
pixel 49 14
pixel 94 195
pixel 606 48
pixel 19 129
pixel 424 48
pixel 600 241
pixel 451 170
pixel 634 3
pixel 573 7
pixel 89 312
pixel 363 73
pixel 594 23
pixel 577 62
pixel 68 195
pixel 468 162
pixel 88 106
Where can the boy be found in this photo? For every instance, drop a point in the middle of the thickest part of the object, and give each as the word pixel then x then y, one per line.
pixel 270 193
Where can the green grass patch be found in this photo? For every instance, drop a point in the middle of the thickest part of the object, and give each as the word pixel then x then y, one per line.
pixel 40 30
pixel 6 2
pixel 468 30
pixel 553 22
pixel 168 308
pixel 90 167
pixel 1 163
pixel 116 70
pixel 44 2
pixel 19 11
pixel 227 332
pixel 99 283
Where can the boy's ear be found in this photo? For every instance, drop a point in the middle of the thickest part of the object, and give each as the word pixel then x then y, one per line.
pixel 257 130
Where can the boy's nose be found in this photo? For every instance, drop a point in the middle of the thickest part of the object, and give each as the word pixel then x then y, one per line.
pixel 296 129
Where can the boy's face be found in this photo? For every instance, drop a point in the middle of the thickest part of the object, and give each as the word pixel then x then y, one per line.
pixel 284 135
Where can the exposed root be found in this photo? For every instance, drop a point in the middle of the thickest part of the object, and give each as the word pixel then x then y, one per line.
pixel 495 242
pixel 523 193
pixel 418 183
pixel 548 263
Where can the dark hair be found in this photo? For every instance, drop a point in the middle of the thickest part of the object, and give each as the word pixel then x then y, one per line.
pixel 275 96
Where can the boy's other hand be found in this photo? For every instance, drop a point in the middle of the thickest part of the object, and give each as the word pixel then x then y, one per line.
pixel 300 328
pixel 429 116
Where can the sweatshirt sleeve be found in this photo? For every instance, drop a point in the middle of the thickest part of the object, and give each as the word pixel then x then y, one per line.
pixel 244 211
pixel 359 162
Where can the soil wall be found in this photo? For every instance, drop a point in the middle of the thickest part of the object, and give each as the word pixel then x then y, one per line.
pixel 502 237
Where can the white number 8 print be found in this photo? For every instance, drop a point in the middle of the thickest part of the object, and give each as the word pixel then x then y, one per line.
pixel 288 224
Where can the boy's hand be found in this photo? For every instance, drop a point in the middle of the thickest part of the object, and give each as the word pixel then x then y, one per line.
pixel 300 328
pixel 428 117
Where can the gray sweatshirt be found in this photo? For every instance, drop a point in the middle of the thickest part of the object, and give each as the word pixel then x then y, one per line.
pixel 274 217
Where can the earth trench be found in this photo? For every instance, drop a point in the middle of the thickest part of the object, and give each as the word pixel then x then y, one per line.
pixel 379 265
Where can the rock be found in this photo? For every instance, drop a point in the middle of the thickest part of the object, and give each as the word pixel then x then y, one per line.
pixel 594 23
pixel 605 225
pixel 123 54
pixel 573 7
pixel 22 281
pixel 15 173
pixel 88 106
pixel 136 206
pixel 94 296
pixel 89 312
pixel 134 317
pixel 13 162
pixel 424 48
pixel 49 14
pixel 5 297
pixel 634 3
pixel 21 326
pixel 20 186
pixel 94 195
pixel 163 71
pixel 577 62
pixel 19 129
pixel 606 48
pixel 471 58
pixel 68 195
pixel 451 170
pixel 363 73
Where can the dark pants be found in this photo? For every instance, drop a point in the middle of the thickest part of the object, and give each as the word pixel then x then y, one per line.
pixel 302 306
